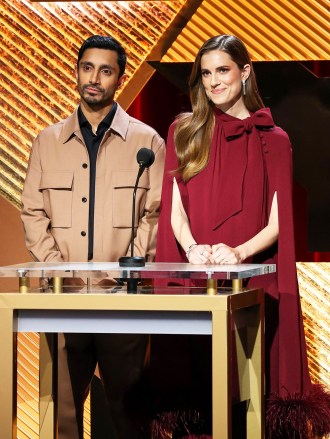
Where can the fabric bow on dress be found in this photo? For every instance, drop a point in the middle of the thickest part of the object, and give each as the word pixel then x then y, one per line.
pixel 233 157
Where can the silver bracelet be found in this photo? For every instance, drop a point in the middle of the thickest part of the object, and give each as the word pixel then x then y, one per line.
pixel 190 248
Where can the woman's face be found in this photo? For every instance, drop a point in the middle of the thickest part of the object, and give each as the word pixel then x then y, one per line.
pixel 222 80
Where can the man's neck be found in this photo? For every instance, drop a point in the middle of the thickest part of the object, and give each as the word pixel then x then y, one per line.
pixel 95 115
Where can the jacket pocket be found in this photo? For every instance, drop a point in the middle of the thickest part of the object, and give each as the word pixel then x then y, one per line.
pixel 57 191
pixel 123 186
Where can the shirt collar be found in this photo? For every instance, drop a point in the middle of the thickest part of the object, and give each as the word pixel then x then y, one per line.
pixel 105 122
pixel 119 124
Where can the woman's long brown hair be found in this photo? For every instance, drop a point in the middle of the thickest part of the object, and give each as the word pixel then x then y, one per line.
pixel 193 132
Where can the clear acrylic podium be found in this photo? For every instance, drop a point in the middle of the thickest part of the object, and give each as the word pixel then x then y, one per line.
pixel 225 314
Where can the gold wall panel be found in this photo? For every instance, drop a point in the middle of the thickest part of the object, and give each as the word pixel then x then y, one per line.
pixel 273 30
pixel 28 391
pixel 38 49
pixel 28 348
pixel 314 284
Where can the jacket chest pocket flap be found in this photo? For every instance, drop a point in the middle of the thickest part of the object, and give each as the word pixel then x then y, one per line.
pixel 57 191
pixel 123 186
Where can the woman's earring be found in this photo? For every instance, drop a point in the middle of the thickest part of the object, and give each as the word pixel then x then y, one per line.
pixel 243 87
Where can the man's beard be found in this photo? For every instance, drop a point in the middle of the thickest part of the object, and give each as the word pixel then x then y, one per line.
pixel 90 99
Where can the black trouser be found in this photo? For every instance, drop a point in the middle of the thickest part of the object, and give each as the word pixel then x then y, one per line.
pixel 121 361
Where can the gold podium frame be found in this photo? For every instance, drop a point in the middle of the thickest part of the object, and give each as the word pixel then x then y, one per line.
pixel 233 317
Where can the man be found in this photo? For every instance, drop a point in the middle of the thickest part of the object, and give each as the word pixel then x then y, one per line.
pixel 77 207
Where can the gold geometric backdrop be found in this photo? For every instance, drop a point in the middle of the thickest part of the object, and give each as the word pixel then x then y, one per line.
pixel 314 284
pixel 39 43
pixel 38 48
pixel 273 30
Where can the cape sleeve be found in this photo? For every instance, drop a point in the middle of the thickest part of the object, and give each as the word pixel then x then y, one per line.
pixel 295 406
pixel 293 376
pixel 168 249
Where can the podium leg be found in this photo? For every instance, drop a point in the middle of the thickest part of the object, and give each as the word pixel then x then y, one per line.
pixel 255 414
pixel 237 285
pixel 24 284
pixel 248 329
pixel 8 374
pixel 57 285
pixel 211 287
pixel 221 376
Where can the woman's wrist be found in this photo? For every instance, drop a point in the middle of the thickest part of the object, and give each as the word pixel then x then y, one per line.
pixel 190 248
pixel 241 253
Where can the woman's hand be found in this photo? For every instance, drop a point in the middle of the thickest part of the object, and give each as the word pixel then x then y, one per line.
pixel 223 254
pixel 199 254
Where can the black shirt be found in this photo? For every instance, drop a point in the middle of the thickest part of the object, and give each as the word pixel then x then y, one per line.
pixel 92 142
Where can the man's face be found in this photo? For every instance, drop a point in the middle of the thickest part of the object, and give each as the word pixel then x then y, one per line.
pixel 98 77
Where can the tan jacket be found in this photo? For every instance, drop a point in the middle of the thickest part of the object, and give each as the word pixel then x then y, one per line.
pixel 56 190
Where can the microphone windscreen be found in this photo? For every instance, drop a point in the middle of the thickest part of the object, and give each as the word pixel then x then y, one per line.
pixel 145 157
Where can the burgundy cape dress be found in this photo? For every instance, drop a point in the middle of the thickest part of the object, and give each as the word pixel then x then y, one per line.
pixel 229 202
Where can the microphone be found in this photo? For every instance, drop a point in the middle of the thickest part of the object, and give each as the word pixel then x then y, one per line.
pixel 145 158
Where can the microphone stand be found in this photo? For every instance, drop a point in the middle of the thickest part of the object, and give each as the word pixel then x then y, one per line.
pixel 133 261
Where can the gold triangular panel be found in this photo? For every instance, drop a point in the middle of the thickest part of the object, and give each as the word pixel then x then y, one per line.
pixel 273 30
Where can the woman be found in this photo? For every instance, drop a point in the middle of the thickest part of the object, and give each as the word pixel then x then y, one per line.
pixel 226 200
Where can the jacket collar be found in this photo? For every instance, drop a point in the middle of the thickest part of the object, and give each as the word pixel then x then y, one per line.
pixel 120 122
pixel 71 127
pixel 119 125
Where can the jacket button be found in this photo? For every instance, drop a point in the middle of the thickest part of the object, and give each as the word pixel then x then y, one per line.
pixel 84 199
pixel 84 165
pixel 83 233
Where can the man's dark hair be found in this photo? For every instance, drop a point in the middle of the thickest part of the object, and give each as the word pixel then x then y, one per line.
pixel 108 43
